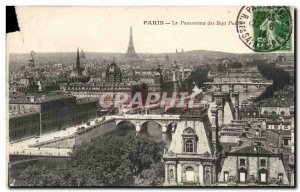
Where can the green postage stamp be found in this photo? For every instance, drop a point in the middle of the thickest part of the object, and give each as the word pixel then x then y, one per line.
pixel 265 28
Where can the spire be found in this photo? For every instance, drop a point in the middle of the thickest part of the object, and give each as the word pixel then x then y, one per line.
pixel 82 58
pixel 131 54
pixel 31 61
pixel 131 40
pixel 78 60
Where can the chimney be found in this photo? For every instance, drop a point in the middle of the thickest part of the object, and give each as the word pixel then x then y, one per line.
pixel 214 128
pixel 292 114
pixel 30 98
pixel 236 105
pixel 254 144
pixel 264 124
pixel 240 143
pixel 220 102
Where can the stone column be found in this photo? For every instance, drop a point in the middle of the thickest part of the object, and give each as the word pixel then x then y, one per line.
pixel 236 105
pixel 166 174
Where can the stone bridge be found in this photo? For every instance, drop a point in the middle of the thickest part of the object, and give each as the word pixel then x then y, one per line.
pixel 237 75
pixel 30 154
pixel 231 85
pixel 165 121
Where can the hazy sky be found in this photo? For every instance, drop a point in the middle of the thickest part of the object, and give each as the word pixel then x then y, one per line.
pixel 106 29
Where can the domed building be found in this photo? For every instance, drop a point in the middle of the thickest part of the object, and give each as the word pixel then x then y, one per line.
pixel 78 73
pixel 113 73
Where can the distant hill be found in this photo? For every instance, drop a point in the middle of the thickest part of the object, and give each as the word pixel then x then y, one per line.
pixel 69 57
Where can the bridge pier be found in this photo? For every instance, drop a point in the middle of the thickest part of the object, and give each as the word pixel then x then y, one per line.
pixel 137 129
pixel 245 88
pixel 231 88
pixel 164 137
pixel 173 127
pixel 164 128
pixel 218 88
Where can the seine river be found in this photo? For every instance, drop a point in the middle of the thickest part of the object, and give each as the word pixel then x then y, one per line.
pixel 252 90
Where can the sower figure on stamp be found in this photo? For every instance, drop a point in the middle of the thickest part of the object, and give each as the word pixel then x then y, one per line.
pixel 267 29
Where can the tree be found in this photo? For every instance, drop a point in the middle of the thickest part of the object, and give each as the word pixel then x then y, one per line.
pixel 221 67
pixel 106 161
pixel 35 176
pixel 280 78
pixel 198 76
pixel 236 65
pixel 154 176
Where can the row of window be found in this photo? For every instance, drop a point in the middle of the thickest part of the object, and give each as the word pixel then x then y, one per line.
pixel 282 113
pixel 97 88
pixel 262 177
pixel 278 127
pixel 262 162
pixel 19 133
pixel 24 121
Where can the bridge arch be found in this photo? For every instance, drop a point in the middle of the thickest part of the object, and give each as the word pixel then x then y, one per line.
pixel 126 125
pixel 171 126
pixel 144 122
pixel 151 128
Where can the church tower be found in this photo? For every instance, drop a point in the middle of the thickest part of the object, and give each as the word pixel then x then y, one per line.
pixel 78 73
pixel 131 54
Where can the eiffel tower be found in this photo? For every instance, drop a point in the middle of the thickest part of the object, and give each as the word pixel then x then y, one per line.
pixel 131 54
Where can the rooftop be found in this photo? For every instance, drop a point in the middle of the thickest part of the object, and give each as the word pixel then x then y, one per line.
pixel 21 113
pixel 38 97
pixel 253 150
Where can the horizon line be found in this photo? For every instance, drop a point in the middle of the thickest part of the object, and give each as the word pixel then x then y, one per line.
pixel 240 53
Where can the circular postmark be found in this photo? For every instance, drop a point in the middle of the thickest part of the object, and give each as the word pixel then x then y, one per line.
pixel 265 28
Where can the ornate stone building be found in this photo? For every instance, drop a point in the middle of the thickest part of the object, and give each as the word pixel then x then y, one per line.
pixel 253 165
pixel 113 73
pixel 105 91
pixel 193 154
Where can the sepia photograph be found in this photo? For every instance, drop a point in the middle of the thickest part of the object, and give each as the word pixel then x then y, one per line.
pixel 167 97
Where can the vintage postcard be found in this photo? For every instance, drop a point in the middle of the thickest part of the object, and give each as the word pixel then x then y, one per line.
pixel 151 97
